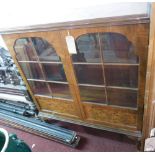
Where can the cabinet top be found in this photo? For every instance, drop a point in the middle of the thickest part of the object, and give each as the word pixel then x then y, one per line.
pixel 98 22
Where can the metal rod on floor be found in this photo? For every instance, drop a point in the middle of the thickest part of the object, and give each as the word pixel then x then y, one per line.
pixel 40 128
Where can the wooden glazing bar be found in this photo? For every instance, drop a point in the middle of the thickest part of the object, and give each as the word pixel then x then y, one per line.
pixel 121 64
pixel 91 85
pixel 41 62
pixel 127 88
pixel 37 80
pixel 86 63
pixel 52 97
pixel 103 68
pixel 42 70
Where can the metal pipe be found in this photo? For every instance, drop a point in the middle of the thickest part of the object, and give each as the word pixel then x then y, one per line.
pixel 40 128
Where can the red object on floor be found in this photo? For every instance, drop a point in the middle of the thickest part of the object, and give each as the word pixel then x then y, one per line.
pixel 92 140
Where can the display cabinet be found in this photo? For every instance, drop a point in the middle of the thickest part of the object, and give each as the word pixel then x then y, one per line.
pixel 102 85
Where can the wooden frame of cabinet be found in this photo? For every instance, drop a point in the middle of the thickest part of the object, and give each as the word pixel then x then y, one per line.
pixel 149 108
pixel 126 120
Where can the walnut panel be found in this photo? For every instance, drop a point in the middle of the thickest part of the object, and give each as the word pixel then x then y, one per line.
pixel 111 115
pixel 56 105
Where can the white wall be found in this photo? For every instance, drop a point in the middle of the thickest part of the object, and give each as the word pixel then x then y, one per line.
pixel 2 43
pixel 14 13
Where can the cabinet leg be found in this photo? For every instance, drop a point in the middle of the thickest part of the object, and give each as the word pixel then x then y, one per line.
pixel 139 143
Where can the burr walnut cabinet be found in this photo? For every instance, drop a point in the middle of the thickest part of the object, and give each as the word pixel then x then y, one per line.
pixel 102 85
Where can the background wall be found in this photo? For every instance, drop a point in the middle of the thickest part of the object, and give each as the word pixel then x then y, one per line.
pixel 15 13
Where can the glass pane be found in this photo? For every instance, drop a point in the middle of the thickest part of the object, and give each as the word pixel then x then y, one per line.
pixel 117 48
pixel 92 94
pixel 89 74
pixel 125 76
pixel 88 49
pixel 24 50
pixel 32 70
pixel 54 72
pixel 30 49
pixel 39 88
pixel 60 90
pixel 44 50
pixel 120 97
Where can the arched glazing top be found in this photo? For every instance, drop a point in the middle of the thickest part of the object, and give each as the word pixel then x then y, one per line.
pixel 35 48
pixel 109 46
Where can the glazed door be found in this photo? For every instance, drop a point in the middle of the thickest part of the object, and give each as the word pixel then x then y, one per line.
pixel 109 68
pixel 43 65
